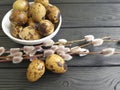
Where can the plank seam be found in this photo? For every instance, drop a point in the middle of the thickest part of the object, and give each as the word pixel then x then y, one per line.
pixel 75 3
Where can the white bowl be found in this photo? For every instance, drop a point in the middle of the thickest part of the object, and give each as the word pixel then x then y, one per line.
pixel 6 26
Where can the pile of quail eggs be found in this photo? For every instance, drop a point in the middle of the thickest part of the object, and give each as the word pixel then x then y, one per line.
pixel 33 20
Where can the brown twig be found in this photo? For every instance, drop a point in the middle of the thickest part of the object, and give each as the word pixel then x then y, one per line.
pixel 90 43
pixel 25 57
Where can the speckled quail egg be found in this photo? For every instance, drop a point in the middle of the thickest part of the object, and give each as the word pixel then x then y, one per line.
pixel 46 27
pixel 15 30
pixel 56 64
pixel 29 33
pixel 44 2
pixel 31 22
pixel 35 70
pixel 37 11
pixel 18 17
pixel 21 5
pixel 53 13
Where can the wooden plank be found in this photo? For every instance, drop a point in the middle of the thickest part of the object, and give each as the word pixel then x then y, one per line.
pixel 92 60
pixel 85 1
pixel 7 2
pixel 82 15
pixel 76 78
pixel 85 15
pixel 74 34
pixel 3 10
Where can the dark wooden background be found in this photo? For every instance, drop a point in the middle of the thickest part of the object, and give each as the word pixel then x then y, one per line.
pixel 93 72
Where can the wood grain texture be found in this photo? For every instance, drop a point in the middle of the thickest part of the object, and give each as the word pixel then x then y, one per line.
pixel 84 15
pixel 79 33
pixel 76 78
pixel 92 72
pixel 87 15
pixel 6 2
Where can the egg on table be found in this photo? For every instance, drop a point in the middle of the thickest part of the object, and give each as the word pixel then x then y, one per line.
pixel 56 64
pixel 35 70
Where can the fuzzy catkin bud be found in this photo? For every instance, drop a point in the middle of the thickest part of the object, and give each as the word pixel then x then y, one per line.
pixel 28 49
pixel 60 52
pixel 61 47
pixel 14 51
pixel 97 42
pixel 48 52
pixel 108 51
pixel 89 38
pixel 67 57
pixel 17 59
pixel 83 52
pixel 62 41
pixel 66 50
pixel 54 47
pixel 2 50
pixel 49 42
pixel 75 49
pixel 17 54
pixel 39 49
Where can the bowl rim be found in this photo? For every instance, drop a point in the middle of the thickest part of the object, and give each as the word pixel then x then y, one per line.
pixel 28 41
